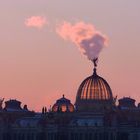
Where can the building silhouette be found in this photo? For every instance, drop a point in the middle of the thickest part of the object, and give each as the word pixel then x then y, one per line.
pixel 94 116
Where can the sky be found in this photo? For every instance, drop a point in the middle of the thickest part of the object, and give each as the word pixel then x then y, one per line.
pixel 38 66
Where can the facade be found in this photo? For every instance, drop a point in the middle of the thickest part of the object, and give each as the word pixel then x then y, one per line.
pixel 94 116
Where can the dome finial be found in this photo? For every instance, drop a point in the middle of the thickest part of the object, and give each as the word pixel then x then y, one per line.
pixel 95 60
pixel 94 72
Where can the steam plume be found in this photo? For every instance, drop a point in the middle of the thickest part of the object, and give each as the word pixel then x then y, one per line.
pixel 84 36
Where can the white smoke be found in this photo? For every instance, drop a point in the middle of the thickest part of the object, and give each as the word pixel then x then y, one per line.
pixel 84 36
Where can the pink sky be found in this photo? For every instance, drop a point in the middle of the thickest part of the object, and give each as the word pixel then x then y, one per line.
pixel 38 67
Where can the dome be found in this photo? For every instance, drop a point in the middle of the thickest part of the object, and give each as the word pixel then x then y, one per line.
pixel 12 104
pixel 63 105
pixel 93 90
pixel 126 102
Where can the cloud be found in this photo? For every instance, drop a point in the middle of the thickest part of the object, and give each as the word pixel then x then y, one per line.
pixel 85 36
pixel 36 22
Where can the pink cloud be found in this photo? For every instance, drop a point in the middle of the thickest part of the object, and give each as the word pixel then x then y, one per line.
pixel 85 36
pixel 75 32
pixel 36 22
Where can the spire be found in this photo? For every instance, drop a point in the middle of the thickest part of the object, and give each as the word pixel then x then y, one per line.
pixel 95 60
pixel 43 110
pixel 1 102
pixel 95 72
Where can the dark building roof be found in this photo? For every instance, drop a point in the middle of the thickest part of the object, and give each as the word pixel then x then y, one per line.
pixel 126 102
pixel 12 104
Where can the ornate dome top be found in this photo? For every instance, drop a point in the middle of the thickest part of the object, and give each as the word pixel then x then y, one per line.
pixel 94 88
pixel 63 105
pixel 94 92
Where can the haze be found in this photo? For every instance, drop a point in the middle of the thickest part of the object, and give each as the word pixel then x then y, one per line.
pixel 38 67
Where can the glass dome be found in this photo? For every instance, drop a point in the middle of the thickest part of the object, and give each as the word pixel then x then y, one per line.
pixel 94 88
pixel 63 105
pixel 92 91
